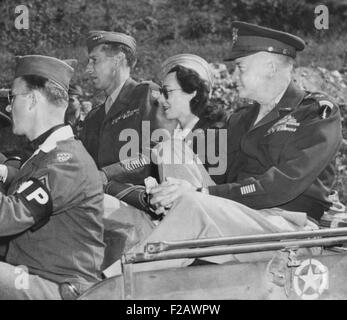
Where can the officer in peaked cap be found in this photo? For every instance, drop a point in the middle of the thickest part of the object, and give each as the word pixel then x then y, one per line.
pixel 281 148
pixel 56 197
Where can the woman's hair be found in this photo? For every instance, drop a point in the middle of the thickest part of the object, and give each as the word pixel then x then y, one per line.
pixel 190 81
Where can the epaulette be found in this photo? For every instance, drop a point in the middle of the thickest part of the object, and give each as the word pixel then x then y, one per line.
pixel 324 103
pixel 93 111
pixel 153 87
pixel 243 107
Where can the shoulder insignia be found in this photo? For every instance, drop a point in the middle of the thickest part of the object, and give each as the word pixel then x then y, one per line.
pixel 93 111
pixel 63 156
pixel 325 109
pixel 326 106
pixel 287 123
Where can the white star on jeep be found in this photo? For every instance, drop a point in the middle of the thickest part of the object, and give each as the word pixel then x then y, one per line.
pixel 311 279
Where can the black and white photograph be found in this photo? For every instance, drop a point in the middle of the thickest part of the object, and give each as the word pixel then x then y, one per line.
pixel 173 153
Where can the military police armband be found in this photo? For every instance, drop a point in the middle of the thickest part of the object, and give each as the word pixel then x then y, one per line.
pixel 37 198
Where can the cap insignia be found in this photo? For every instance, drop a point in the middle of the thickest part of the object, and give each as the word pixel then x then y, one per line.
pixel 235 36
pixel 97 37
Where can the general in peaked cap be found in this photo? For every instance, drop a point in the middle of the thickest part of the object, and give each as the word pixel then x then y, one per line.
pixel 99 37
pixel 56 70
pixel 249 38
pixel 190 61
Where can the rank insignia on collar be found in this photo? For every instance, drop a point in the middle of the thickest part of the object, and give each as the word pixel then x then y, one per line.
pixel 235 36
pixel 287 123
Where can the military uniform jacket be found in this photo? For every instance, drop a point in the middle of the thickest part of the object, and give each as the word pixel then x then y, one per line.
pixel 105 135
pixel 286 159
pixel 54 208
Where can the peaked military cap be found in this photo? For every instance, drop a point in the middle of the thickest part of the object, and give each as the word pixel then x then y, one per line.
pixel 249 38
pixel 190 61
pixel 99 37
pixel 51 68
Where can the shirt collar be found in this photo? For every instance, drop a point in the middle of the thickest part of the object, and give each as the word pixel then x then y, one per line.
pixel 183 132
pixel 60 134
pixel 114 95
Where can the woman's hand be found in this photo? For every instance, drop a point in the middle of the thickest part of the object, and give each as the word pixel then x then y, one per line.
pixel 166 193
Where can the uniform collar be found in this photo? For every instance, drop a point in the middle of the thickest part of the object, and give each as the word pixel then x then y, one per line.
pixel 60 134
pixel 182 133
pixel 122 97
pixel 290 100
pixel 115 93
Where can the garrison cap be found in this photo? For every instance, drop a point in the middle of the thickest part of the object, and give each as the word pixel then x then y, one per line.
pixel 99 37
pixel 51 68
pixel 249 38
pixel 190 61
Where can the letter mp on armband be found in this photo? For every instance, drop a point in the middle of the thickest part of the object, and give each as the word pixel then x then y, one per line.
pixel 37 199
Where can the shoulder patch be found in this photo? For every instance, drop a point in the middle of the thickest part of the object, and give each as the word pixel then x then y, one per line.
pixel 63 156
pixel 325 109
pixel 93 111
pixel 325 105
pixel 152 85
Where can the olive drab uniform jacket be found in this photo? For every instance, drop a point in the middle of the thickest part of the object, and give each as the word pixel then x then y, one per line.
pixel 286 159
pixel 102 134
pixel 54 209
pixel 135 111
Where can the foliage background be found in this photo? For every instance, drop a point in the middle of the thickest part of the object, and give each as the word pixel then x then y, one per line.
pixel 166 27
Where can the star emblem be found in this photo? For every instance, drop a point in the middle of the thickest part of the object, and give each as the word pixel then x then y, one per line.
pixel 310 279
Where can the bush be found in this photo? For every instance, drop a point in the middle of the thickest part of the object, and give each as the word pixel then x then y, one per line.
pixel 199 25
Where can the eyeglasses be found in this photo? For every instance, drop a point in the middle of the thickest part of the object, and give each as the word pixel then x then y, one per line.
pixel 11 96
pixel 165 92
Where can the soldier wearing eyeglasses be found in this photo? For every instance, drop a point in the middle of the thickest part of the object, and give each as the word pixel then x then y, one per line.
pixel 53 207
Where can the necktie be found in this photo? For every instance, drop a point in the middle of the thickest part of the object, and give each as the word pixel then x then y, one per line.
pixel 108 104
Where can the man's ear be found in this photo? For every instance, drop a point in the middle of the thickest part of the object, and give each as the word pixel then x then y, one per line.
pixel 34 98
